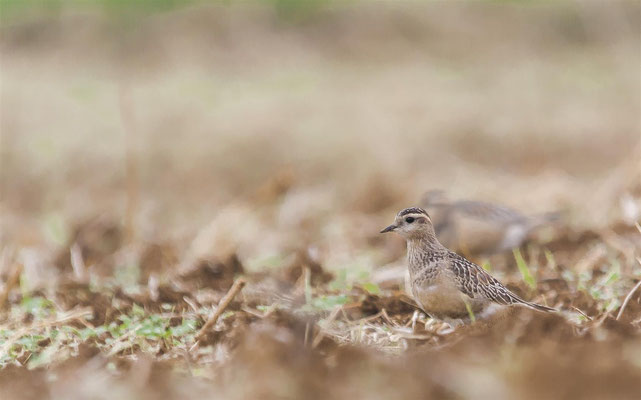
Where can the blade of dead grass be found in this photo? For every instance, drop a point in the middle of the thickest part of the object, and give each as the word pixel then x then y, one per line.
pixel 634 289
pixel 72 315
pixel 321 333
pixel 627 299
pixel 224 302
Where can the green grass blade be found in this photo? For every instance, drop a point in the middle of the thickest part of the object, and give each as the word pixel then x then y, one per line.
pixel 525 271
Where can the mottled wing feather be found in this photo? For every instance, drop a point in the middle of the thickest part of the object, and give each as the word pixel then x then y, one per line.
pixel 478 284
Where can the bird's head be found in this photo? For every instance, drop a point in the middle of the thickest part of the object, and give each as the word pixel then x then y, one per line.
pixel 412 223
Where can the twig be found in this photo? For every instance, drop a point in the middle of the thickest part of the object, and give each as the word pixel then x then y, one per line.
pixel 321 333
pixel 367 319
pixel 342 310
pixel 582 313
pixel 306 334
pixel 627 299
pixel 191 304
pixel 71 316
pixel 602 318
pixel 222 305
pixel 387 318
pixel 12 281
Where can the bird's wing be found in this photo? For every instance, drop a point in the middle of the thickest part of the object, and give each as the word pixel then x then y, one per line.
pixel 478 284
pixel 487 211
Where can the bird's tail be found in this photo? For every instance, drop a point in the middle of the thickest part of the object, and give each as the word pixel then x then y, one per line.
pixel 539 307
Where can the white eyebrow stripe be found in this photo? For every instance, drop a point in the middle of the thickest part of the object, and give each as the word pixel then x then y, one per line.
pixel 411 210
pixel 416 216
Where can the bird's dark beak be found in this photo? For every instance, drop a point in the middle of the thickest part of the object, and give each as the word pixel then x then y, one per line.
pixel 389 228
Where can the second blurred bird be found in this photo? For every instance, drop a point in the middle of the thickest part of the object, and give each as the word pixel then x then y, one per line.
pixel 476 227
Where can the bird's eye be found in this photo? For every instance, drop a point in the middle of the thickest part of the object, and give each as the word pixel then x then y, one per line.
pixel 409 220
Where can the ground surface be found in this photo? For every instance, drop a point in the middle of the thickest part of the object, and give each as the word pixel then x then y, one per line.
pixel 150 160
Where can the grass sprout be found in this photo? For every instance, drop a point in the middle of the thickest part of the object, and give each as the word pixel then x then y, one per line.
pixel 523 268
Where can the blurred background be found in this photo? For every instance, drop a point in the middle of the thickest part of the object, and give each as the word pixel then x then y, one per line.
pixel 361 106
pixel 261 128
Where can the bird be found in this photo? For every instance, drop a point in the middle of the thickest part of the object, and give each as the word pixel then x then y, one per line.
pixel 445 285
pixel 477 227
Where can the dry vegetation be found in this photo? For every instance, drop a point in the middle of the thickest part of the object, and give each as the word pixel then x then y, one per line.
pixel 149 161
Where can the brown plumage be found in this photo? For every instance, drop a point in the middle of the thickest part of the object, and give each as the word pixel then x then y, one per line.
pixel 444 284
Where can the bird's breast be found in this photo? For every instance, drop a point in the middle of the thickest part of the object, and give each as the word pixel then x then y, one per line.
pixel 441 298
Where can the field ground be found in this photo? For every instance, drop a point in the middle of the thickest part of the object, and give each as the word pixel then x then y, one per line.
pixel 149 160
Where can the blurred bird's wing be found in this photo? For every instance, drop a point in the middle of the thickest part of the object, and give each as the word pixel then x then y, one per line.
pixel 487 211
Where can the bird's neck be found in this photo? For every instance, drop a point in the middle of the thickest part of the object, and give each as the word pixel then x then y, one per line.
pixel 421 253
pixel 424 241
